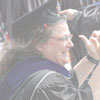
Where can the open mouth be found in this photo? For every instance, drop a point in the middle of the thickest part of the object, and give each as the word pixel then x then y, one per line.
pixel 64 54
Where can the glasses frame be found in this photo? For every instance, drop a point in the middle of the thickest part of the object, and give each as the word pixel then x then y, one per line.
pixel 63 38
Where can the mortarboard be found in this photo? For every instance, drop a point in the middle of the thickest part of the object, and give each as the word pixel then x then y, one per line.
pixel 22 27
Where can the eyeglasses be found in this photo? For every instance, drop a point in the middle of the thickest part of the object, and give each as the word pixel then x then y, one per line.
pixel 63 38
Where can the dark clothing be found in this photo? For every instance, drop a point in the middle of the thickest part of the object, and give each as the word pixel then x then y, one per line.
pixel 59 85
pixel 71 4
pixel 52 86
pixel 76 4
pixel 22 71
pixel 84 24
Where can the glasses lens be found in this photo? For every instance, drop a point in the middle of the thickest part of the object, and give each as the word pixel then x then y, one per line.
pixel 63 38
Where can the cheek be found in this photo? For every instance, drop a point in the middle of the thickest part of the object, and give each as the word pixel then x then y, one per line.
pixel 60 46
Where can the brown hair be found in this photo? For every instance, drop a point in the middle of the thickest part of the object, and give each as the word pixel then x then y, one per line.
pixel 21 50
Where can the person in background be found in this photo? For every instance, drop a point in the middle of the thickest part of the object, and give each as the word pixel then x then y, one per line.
pixel 82 23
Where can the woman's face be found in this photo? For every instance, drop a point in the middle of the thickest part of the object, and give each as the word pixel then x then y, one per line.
pixel 58 44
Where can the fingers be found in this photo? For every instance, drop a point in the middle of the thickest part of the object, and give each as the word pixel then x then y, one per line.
pixel 63 12
pixel 91 48
pixel 69 12
pixel 96 34
pixel 87 43
pixel 95 42
pixel 85 40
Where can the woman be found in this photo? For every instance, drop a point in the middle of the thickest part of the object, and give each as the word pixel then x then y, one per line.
pixel 36 69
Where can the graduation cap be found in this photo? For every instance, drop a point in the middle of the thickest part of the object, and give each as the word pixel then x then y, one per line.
pixel 22 28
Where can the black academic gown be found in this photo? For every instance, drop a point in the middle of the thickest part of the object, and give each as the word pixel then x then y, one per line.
pixel 41 79
pixel 50 85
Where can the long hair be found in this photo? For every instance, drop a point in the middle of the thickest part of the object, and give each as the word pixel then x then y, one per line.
pixel 20 50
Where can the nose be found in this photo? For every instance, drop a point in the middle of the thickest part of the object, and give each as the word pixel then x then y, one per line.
pixel 69 43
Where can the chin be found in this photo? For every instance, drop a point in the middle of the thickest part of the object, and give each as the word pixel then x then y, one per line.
pixel 63 63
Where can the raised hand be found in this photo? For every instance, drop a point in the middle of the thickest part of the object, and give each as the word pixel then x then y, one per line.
pixel 70 13
pixel 95 39
pixel 91 48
